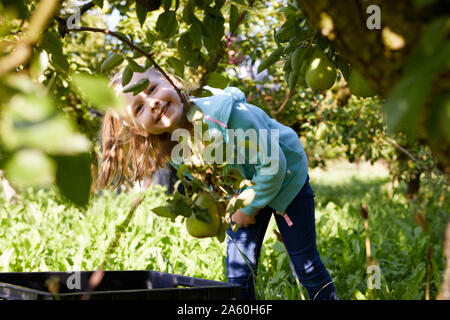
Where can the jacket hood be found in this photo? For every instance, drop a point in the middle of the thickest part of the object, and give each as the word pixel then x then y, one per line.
pixel 217 108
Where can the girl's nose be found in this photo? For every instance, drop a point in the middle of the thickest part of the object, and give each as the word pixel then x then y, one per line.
pixel 155 106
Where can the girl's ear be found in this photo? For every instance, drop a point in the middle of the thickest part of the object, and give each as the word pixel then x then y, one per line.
pixel 139 132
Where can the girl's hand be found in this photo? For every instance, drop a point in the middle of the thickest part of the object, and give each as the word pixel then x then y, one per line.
pixel 242 219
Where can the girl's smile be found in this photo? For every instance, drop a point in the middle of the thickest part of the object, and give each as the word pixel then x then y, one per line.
pixel 155 110
pixel 164 111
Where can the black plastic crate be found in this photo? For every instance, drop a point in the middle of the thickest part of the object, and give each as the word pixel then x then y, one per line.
pixel 115 285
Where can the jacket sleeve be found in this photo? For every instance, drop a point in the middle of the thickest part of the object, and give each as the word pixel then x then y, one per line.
pixel 267 180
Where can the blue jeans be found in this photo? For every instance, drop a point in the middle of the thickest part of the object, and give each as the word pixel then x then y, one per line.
pixel 299 240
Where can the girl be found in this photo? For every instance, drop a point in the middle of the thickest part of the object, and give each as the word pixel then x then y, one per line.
pixel 137 141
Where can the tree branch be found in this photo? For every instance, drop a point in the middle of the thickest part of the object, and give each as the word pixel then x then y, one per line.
pixel 399 147
pixel 290 92
pixel 286 100
pixel 138 49
pixel 62 22
pixel 225 44
pixel 23 46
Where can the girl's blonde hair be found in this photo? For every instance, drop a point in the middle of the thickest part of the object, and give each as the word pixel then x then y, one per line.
pixel 126 154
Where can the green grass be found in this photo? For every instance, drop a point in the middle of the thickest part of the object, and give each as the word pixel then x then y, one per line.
pixel 42 233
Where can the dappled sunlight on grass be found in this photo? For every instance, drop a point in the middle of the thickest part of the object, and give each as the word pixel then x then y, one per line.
pixel 341 171
pixel 398 244
pixel 43 233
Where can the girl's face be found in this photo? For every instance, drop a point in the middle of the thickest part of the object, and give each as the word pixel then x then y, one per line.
pixel 155 110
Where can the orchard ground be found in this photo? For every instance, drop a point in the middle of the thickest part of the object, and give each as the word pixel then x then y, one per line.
pixel 42 233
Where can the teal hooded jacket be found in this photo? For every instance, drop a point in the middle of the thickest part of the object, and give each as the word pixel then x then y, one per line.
pixel 280 168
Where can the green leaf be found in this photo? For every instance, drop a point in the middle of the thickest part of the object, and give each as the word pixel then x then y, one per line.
pixel 222 230
pixel 342 65
pixel 148 64
pixel 138 86
pixel 167 4
pixel 30 167
pixel 19 9
pixel 216 80
pixel 202 4
pixel 289 49
pixel 164 212
pixel 438 119
pixel 32 120
pixel 219 3
pixel 188 12
pixel 127 75
pixel 234 16
pixel 278 247
pixel 433 35
pixel 186 50
pixel 201 92
pixel 270 60
pixel 231 206
pixel 194 114
pixel 177 65
pixel 73 177
pixel 52 44
pixel 195 32
pixel 300 36
pixel 404 104
pixel 297 58
pixel 171 44
pixel 359 296
pixel 112 61
pixel 96 90
pixel 134 66
pixel 233 174
pixel 286 31
pixel 181 207
pixel 54 135
pixel 98 3
pixel 212 44
pixel 202 214
pixel 31 107
pixel 245 198
pixel 150 37
pixel 292 79
pixel 141 12
pixel 323 43
pixel 183 167
pixel 237 180
pixel 428 59
pixel 167 25
pixel 19 82
pixel 213 29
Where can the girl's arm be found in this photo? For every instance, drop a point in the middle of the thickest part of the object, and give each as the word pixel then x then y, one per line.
pixel 267 181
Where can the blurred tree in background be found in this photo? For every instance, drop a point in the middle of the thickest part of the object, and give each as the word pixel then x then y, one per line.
pixel 361 80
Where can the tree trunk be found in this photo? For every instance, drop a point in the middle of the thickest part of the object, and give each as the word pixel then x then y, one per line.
pixel 413 186
pixel 379 60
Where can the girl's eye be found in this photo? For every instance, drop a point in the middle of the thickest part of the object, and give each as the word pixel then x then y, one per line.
pixel 150 90
pixel 139 109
